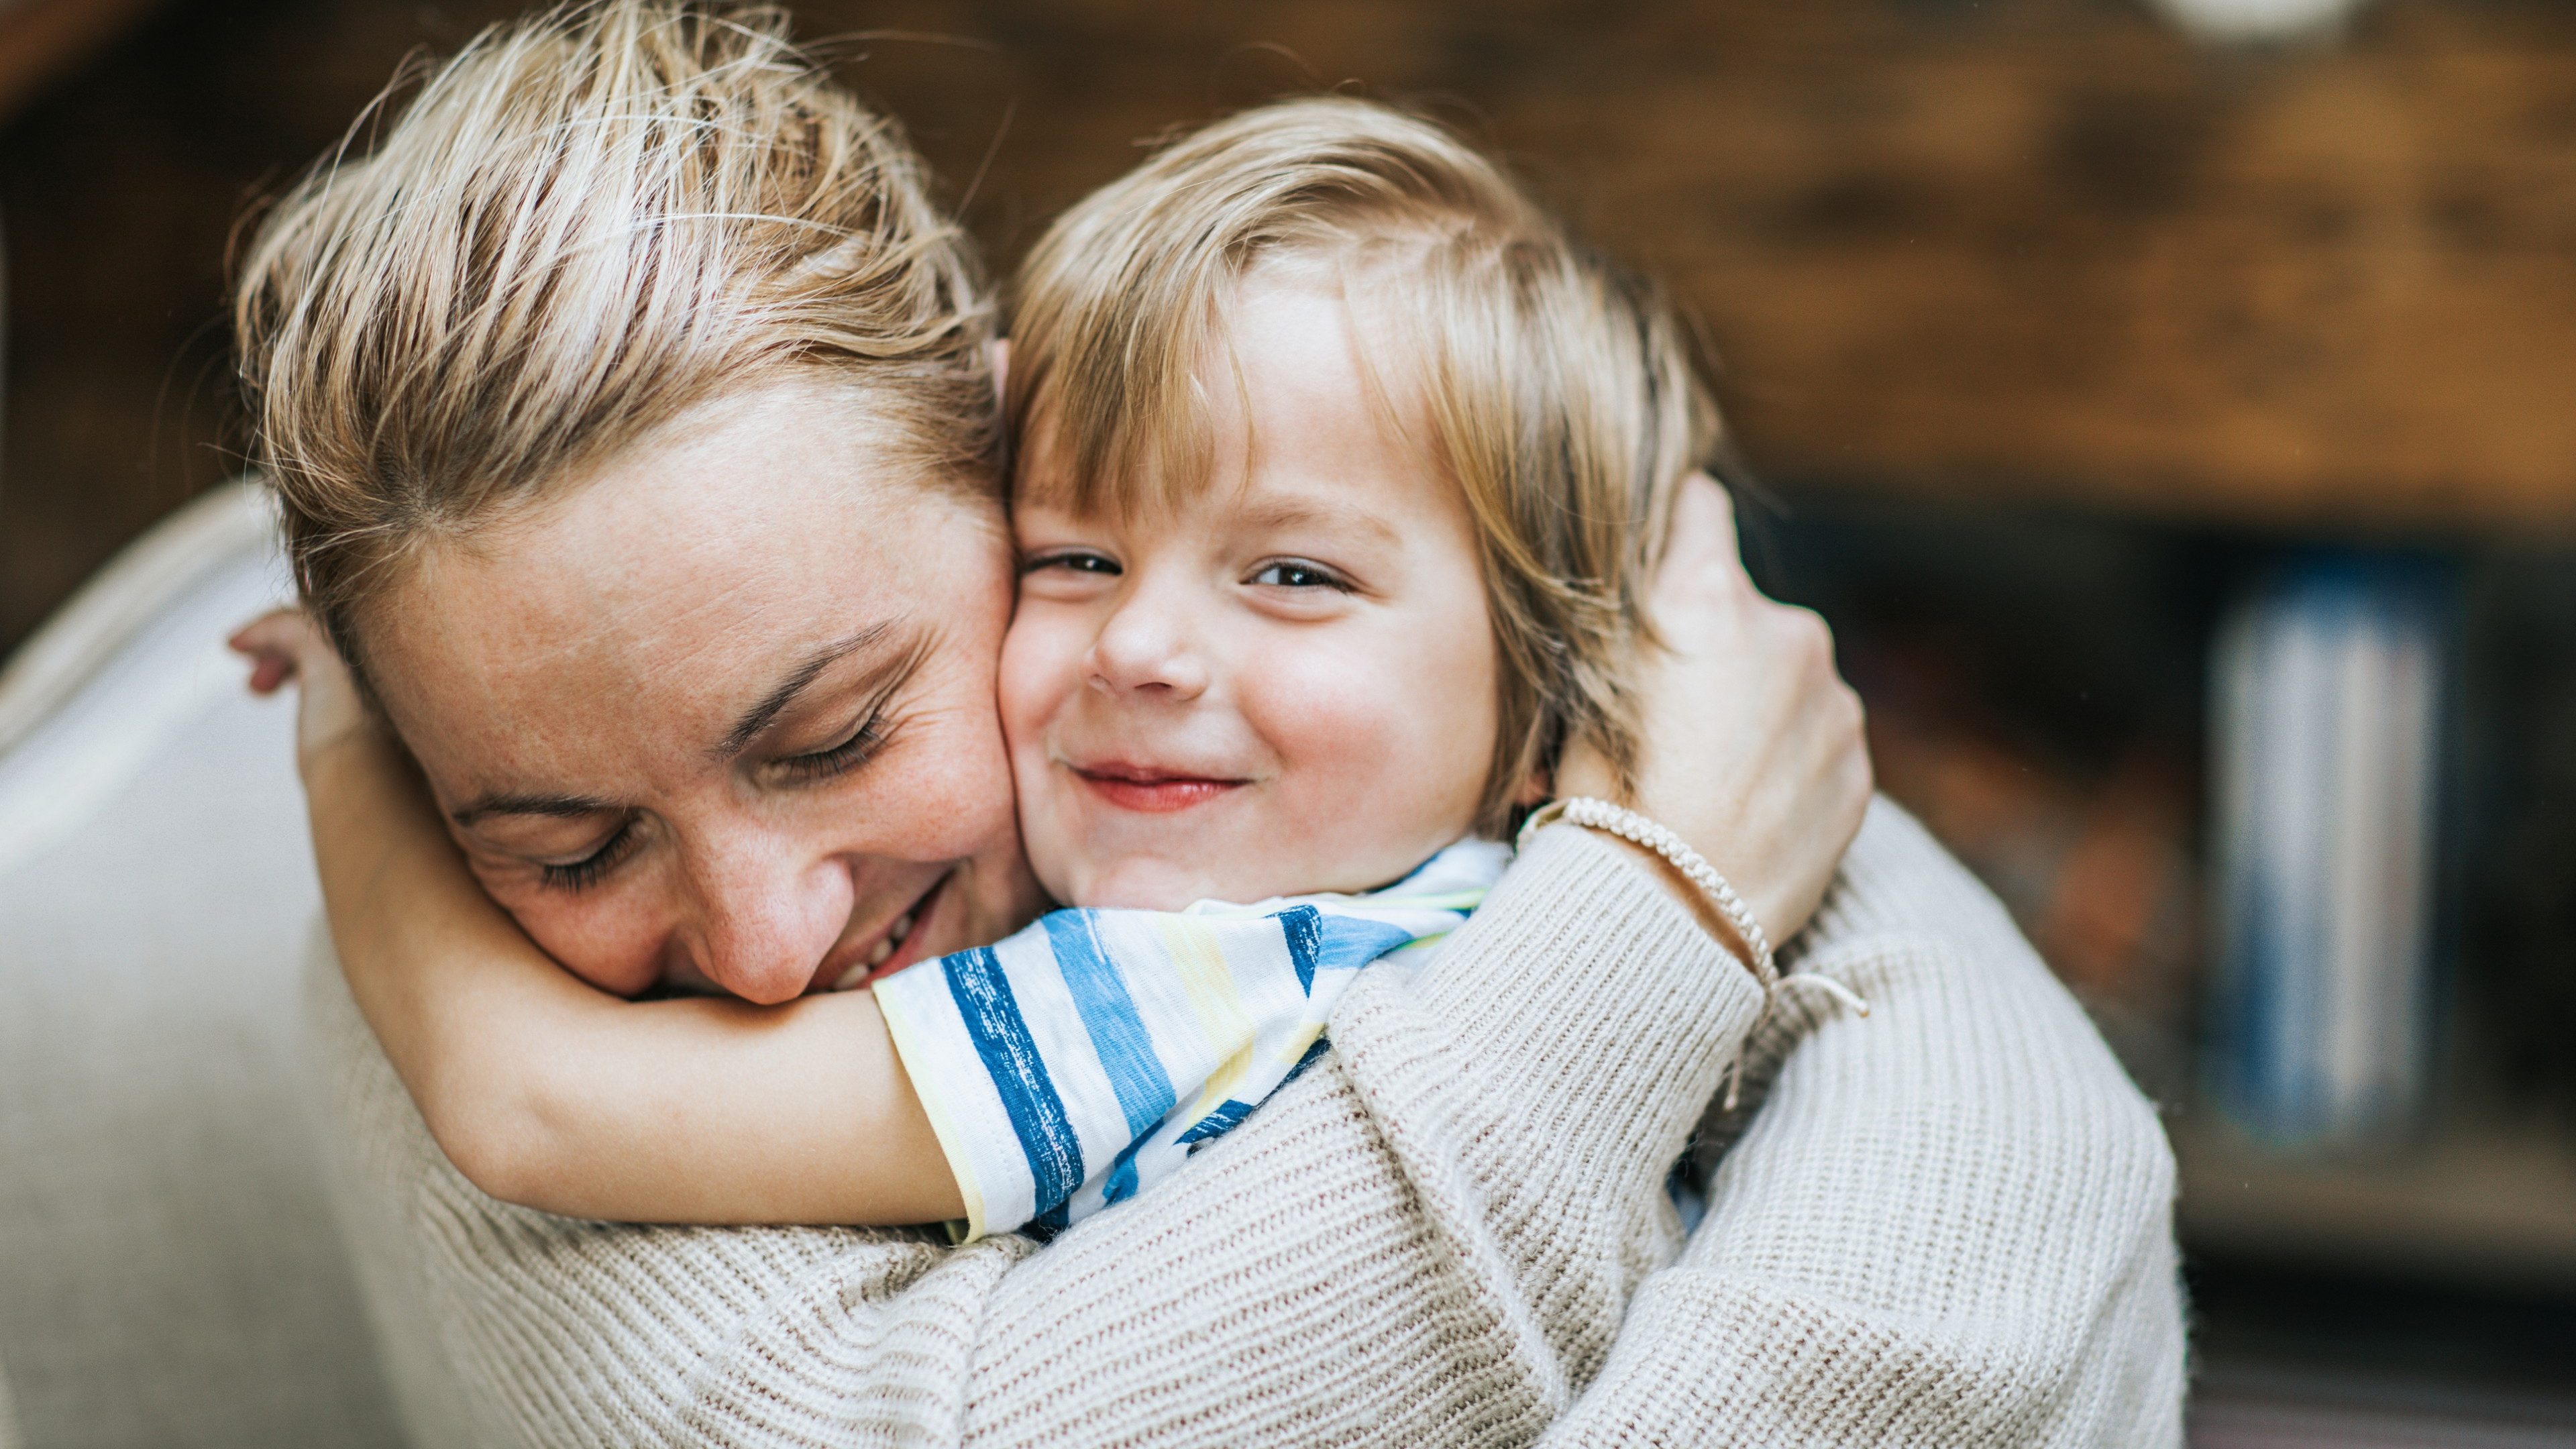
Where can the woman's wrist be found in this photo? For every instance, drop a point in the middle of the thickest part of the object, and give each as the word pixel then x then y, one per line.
pixel 1687 877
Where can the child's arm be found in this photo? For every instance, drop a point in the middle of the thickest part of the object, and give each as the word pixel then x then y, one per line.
pixel 547 1092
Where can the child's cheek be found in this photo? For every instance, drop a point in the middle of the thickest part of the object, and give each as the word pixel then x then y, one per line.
pixel 1032 673
pixel 1040 668
pixel 1334 715
pixel 1383 731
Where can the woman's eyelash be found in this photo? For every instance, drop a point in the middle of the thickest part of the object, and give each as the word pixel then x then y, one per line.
pixel 842 758
pixel 1306 576
pixel 585 872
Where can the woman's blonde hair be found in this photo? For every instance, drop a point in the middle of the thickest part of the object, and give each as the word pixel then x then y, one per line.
pixel 585 223
pixel 1556 390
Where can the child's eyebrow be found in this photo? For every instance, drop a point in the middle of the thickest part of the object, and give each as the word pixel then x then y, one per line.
pixel 1294 512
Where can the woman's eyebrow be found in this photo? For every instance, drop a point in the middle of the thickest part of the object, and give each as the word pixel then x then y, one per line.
pixel 782 694
pixel 565 807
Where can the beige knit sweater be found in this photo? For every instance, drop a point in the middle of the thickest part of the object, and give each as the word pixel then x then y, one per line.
pixel 1950 1225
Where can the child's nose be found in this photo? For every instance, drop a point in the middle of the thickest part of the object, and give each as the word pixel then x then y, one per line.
pixel 1148 647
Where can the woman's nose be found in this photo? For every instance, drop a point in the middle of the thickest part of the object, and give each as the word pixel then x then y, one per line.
pixel 767 914
pixel 1150 646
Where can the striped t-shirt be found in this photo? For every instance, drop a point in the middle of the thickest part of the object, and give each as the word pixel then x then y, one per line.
pixel 1085 1058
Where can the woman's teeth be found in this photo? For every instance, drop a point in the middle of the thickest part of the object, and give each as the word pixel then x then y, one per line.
pixel 878 954
pixel 893 937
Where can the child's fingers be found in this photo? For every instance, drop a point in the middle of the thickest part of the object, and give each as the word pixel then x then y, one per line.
pixel 268 673
pixel 274 642
pixel 279 631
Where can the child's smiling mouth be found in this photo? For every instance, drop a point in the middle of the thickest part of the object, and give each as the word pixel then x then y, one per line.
pixel 1149 790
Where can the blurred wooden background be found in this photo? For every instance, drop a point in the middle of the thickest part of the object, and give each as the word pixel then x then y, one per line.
pixel 2052 327
pixel 2018 250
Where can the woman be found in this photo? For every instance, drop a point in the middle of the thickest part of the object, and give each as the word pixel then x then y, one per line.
pixel 633 414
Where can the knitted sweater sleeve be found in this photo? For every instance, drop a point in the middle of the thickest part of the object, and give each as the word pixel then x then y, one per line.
pixel 1429 1238
pixel 1952 1224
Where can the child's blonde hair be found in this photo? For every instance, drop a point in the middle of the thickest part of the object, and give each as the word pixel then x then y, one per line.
pixel 588 221
pixel 1555 389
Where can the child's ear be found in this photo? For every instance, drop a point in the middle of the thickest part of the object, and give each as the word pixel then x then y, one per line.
pixel 1534 789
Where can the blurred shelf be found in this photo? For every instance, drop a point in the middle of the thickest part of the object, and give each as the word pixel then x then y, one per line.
pixel 42 39
pixel 2485 1204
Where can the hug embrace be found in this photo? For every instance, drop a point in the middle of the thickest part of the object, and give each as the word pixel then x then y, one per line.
pixel 1211 848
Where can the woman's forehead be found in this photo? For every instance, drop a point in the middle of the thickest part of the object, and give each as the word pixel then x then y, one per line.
pixel 669 583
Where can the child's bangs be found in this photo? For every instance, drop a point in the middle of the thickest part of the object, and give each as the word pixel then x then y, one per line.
pixel 1133 442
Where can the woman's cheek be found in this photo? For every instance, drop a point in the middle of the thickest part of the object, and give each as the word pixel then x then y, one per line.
pixel 608 937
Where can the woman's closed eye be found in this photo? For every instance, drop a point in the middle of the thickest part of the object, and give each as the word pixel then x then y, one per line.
pixel 580 875
pixel 855 749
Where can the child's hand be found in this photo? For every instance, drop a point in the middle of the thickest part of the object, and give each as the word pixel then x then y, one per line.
pixel 286 645
pixel 1753 750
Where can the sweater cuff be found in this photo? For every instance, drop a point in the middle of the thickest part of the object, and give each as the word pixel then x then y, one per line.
pixel 1591 994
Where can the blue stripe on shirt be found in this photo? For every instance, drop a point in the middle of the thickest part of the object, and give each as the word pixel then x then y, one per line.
pixel 1303 929
pixel 1117 1033
pixel 1010 1056
pixel 1350 942
pixel 1318 942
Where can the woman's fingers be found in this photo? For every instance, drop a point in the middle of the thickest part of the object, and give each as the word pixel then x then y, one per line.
pixel 1704 518
pixel 1753 749
pixel 1701 562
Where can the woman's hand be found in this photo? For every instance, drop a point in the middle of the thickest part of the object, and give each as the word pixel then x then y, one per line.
pixel 286 645
pixel 1753 751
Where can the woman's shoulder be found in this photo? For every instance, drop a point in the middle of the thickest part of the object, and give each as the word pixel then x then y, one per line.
pixel 1908 924
pixel 1896 878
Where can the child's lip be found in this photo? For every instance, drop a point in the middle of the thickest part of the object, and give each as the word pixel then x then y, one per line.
pixel 1152 790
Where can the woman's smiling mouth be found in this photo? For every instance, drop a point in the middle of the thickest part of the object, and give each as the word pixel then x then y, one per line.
pixel 881 957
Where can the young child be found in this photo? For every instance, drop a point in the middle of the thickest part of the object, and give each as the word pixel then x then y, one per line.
pixel 1341 469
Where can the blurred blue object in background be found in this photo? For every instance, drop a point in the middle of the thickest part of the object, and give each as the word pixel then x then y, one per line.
pixel 2330 692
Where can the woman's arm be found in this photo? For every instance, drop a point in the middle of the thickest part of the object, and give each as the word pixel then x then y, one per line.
pixel 1951 1224
pixel 1413 1236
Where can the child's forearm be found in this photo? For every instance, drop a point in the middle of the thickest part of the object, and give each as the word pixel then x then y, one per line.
pixel 550 1093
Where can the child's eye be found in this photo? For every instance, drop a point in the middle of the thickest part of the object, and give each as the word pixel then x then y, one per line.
pixel 581 874
pixel 1298 574
pixel 839 759
pixel 1073 560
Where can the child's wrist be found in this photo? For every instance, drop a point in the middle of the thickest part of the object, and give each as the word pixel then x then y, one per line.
pixel 357 745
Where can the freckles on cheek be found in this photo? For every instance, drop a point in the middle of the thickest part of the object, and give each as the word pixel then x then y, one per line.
pixel 951 795
pixel 614 947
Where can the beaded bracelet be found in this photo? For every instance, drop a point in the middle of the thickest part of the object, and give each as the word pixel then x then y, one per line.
pixel 1597 814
